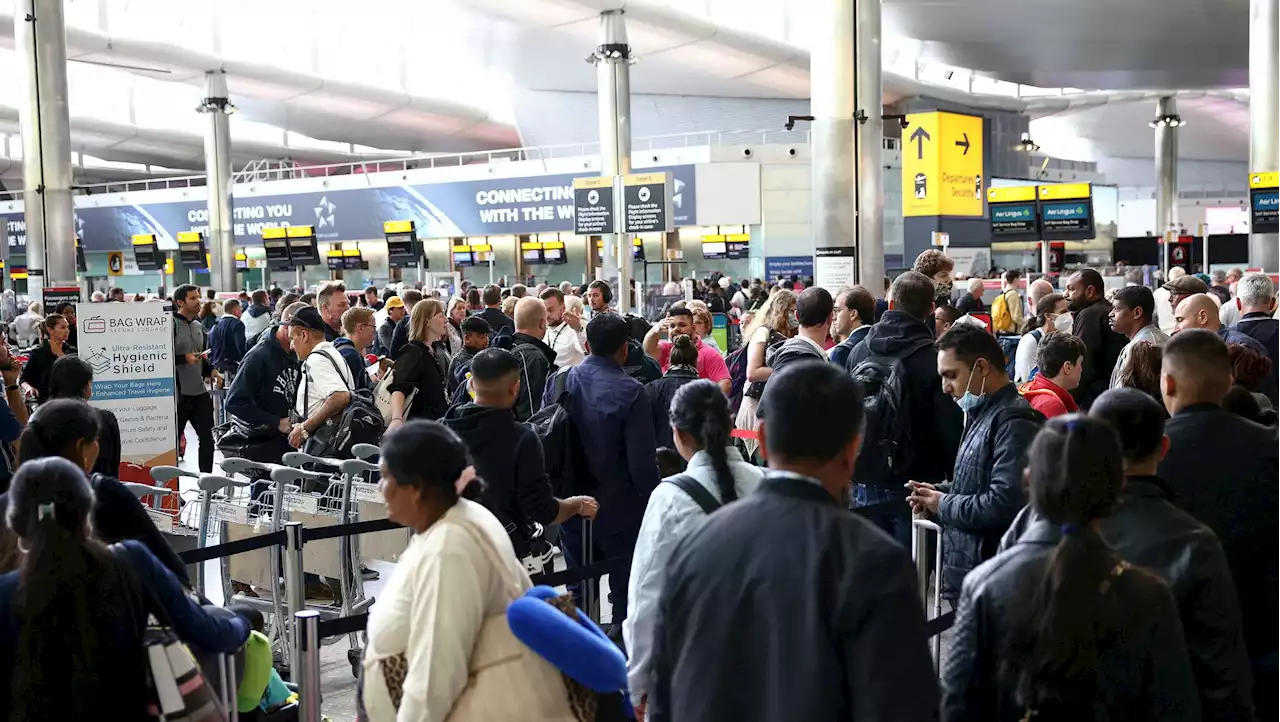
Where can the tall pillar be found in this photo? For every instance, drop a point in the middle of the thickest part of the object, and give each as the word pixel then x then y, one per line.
pixel 41 41
pixel 217 162
pixel 1264 115
pixel 870 179
pixel 613 83
pixel 831 101
pixel 1166 176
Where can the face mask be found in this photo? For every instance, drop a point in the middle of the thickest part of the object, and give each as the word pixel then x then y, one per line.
pixel 793 323
pixel 942 289
pixel 1064 323
pixel 970 400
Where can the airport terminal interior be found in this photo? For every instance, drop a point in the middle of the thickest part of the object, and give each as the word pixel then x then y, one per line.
pixel 711 168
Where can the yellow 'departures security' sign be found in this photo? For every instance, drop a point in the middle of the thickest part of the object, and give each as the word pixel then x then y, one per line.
pixel 1066 191
pixel 943 173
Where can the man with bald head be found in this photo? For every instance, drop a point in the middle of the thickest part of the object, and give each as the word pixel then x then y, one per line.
pixel 1201 311
pixel 537 359
pixel 1222 469
pixel 1037 290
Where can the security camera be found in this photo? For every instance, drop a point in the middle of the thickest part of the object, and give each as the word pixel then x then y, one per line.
pixel 790 124
pixel 746 152
pixel 903 122
pixel 791 152
pixel 655 159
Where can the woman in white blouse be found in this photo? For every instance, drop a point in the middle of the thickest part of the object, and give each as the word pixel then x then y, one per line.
pixel 428 617
pixel 1052 314
pixel 700 424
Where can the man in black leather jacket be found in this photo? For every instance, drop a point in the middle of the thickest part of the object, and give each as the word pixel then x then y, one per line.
pixel 985 492
pixel 1222 469
pixel 1147 530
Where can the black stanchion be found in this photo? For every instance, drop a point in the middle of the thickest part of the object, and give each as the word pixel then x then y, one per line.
pixel 232 548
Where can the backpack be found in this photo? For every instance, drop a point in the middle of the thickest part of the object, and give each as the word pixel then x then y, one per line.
pixel 639 366
pixel 1037 334
pixel 359 423
pixel 1009 345
pixel 503 338
pixel 1001 318
pixel 753 389
pixel 564 459
pixel 887 441
pixel 705 499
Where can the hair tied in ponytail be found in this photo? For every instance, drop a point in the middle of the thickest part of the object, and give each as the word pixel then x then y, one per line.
pixel 48 511
pixel 464 479
pixel 1069 529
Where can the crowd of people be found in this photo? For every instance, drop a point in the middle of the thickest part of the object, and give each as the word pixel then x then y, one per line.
pixel 1102 465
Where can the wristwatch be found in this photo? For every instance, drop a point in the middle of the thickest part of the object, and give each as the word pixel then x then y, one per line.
pixel 305 434
pixel 11 387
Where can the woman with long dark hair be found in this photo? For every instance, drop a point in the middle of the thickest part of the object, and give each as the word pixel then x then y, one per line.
pixel 72 618
pixel 72 378
pixel 35 375
pixel 716 475
pixel 459 569
pixel 1057 627
pixel 69 429
pixel 683 370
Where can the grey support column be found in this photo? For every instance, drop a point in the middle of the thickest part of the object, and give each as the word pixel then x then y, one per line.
pixel 217 110
pixel 831 101
pixel 41 42
pixel 870 178
pixel 613 82
pixel 1264 115
pixel 1166 175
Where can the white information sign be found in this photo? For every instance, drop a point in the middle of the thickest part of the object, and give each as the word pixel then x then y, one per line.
pixel 130 348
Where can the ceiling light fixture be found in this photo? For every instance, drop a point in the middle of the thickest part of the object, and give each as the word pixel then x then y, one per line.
pixel 1172 120
pixel 1027 145
pixel 216 105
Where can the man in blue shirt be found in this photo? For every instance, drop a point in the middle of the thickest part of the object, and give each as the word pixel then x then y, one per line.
pixel 13 413
pixel 614 424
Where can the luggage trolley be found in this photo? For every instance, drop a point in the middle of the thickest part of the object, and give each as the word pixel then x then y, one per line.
pixel 178 525
pixel 920 552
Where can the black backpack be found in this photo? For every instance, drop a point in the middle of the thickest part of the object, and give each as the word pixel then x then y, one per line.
pixel 564 459
pixel 359 423
pixel 887 441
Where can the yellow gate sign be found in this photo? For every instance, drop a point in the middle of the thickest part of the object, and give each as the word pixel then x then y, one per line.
pixel 942 165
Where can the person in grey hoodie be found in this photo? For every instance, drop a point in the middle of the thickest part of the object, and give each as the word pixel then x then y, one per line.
pixel 257 317
pixel 195 405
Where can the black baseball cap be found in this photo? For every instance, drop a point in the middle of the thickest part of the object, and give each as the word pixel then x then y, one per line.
pixel 475 324
pixel 308 318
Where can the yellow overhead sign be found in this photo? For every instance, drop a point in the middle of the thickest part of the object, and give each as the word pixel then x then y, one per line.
pixel 299 232
pixel 644 179
pixel 1264 180
pixel 144 239
pixel 943 173
pixel 601 182
pixel 397 227
pixel 189 237
pixel 274 232
pixel 1066 191
pixel 1011 194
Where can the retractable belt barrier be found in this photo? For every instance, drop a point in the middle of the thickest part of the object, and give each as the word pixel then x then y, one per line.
pixel 232 548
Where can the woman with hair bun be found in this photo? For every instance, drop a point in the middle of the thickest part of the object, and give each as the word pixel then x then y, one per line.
pixel 683 370
pixel 1059 628
pixel 72 618
pixel 716 475
pixel 458 570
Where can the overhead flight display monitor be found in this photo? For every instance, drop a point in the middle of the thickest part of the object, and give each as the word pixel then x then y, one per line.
pixel 303 249
pixel 275 241
pixel 403 247
pixel 1264 202
pixel 637 250
pixel 1013 213
pixel 463 256
pixel 191 249
pixel 147 253
pixel 1066 211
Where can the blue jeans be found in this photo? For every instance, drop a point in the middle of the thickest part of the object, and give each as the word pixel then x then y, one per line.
pixel 895 521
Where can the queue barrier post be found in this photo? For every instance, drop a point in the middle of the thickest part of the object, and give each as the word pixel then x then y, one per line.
pixel 294 589
pixel 227 672
pixel 307 632
pixel 920 550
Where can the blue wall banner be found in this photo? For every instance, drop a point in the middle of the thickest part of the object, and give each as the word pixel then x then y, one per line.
pixel 788 266
pixel 500 206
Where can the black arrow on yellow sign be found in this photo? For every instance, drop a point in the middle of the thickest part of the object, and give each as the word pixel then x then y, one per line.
pixel 920 136
pixel 964 144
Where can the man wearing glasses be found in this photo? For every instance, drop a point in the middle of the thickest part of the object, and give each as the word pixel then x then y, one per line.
pixel 358 334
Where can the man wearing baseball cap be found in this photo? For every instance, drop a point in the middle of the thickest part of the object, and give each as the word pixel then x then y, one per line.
pixel 325 388
pixel 395 310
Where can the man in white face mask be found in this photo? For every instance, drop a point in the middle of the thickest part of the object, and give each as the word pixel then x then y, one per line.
pixel 985 491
